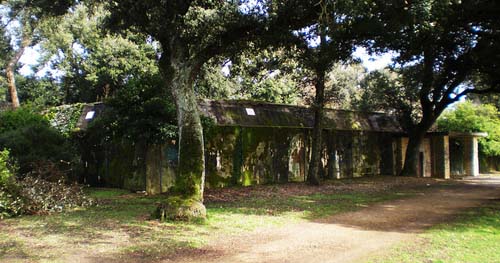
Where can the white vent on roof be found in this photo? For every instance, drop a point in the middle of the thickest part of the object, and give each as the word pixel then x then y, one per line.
pixel 250 111
pixel 90 115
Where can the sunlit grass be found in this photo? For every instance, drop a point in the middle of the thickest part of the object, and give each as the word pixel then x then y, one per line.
pixel 120 224
pixel 474 237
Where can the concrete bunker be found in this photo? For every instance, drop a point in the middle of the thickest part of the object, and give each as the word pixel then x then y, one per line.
pixel 251 143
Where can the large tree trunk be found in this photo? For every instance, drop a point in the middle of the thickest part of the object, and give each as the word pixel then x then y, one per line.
pixel 190 181
pixel 316 148
pixel 416 135
pixel 191 166
pixel 410 167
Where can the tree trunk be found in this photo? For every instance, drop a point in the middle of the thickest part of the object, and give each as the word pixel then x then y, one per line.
pixel 10 71
pixel 11 83
pixel 190 179
pixel 314 165
pixel 191 167
pixel 416 135
pixel 410 167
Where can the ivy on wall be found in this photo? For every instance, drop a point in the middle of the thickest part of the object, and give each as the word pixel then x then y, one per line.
pixel 64 118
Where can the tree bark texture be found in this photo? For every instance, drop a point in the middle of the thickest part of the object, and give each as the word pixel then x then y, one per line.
pixel 11 83
pixel 316 147
pixel 410 167
pixel 11 68
pixel 190 180
pixel 416 135
pixel 11 79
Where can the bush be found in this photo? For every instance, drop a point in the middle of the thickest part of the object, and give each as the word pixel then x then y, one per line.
pixel 13 119
pixel 34 143
pixel 11 202
pixel 33 195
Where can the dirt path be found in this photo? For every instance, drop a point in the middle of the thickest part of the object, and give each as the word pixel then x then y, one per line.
pixel 350 237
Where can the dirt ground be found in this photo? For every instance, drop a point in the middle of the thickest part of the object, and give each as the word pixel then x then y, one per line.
pixel 353 236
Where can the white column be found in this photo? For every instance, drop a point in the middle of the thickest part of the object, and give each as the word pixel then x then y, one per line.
pixel 471 157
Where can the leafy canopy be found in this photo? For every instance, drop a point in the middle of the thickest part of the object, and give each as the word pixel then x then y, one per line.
pixel 469 117
pixel 440 47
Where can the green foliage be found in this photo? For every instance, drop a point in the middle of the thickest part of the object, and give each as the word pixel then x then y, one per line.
pixel 11 204
pixel 96 63
pixel 4 51
pixel 437 54
pixel 343 86
pixel 140 112
pixel 19 29
pixel 469 117
pixel 5 170
pixel 13 119
pixel 64 118
pixel 271 75
pixel 36 146
pixel 389 91
pixel 39 92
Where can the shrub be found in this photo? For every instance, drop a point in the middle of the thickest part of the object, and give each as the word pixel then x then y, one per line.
pixel 34 143
pixel 11 202
pixel 34 195
pixel 13 119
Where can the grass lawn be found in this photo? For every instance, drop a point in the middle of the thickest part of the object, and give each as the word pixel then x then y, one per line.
pixel 119 227
pixel 473 237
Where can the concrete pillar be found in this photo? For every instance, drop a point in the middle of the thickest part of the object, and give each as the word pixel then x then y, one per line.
pixel 400 151
pixel 153 169
pixel 471 157
pixel 441 156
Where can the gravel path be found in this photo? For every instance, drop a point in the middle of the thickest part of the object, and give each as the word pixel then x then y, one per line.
pixel 353 236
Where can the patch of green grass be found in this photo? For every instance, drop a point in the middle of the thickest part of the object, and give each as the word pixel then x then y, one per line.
pixel 9 245
pixel 473 237
pixel 119 226
pixel 100 193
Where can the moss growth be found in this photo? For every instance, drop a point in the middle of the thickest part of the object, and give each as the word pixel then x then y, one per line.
pixel 64 118
pixel 178 208
pixel 237 156
pixel 251 155
pixel 191 161
pixel 247 178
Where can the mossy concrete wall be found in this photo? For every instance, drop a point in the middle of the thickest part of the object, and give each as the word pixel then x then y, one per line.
pixel 440 156
pixel 465 158
pixel 133 166
pixel 489 164
pixel 249 156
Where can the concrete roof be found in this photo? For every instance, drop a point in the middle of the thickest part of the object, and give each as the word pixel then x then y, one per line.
pixel 84 121
pixel 234 113
pixel 239 113
pixel 468 134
